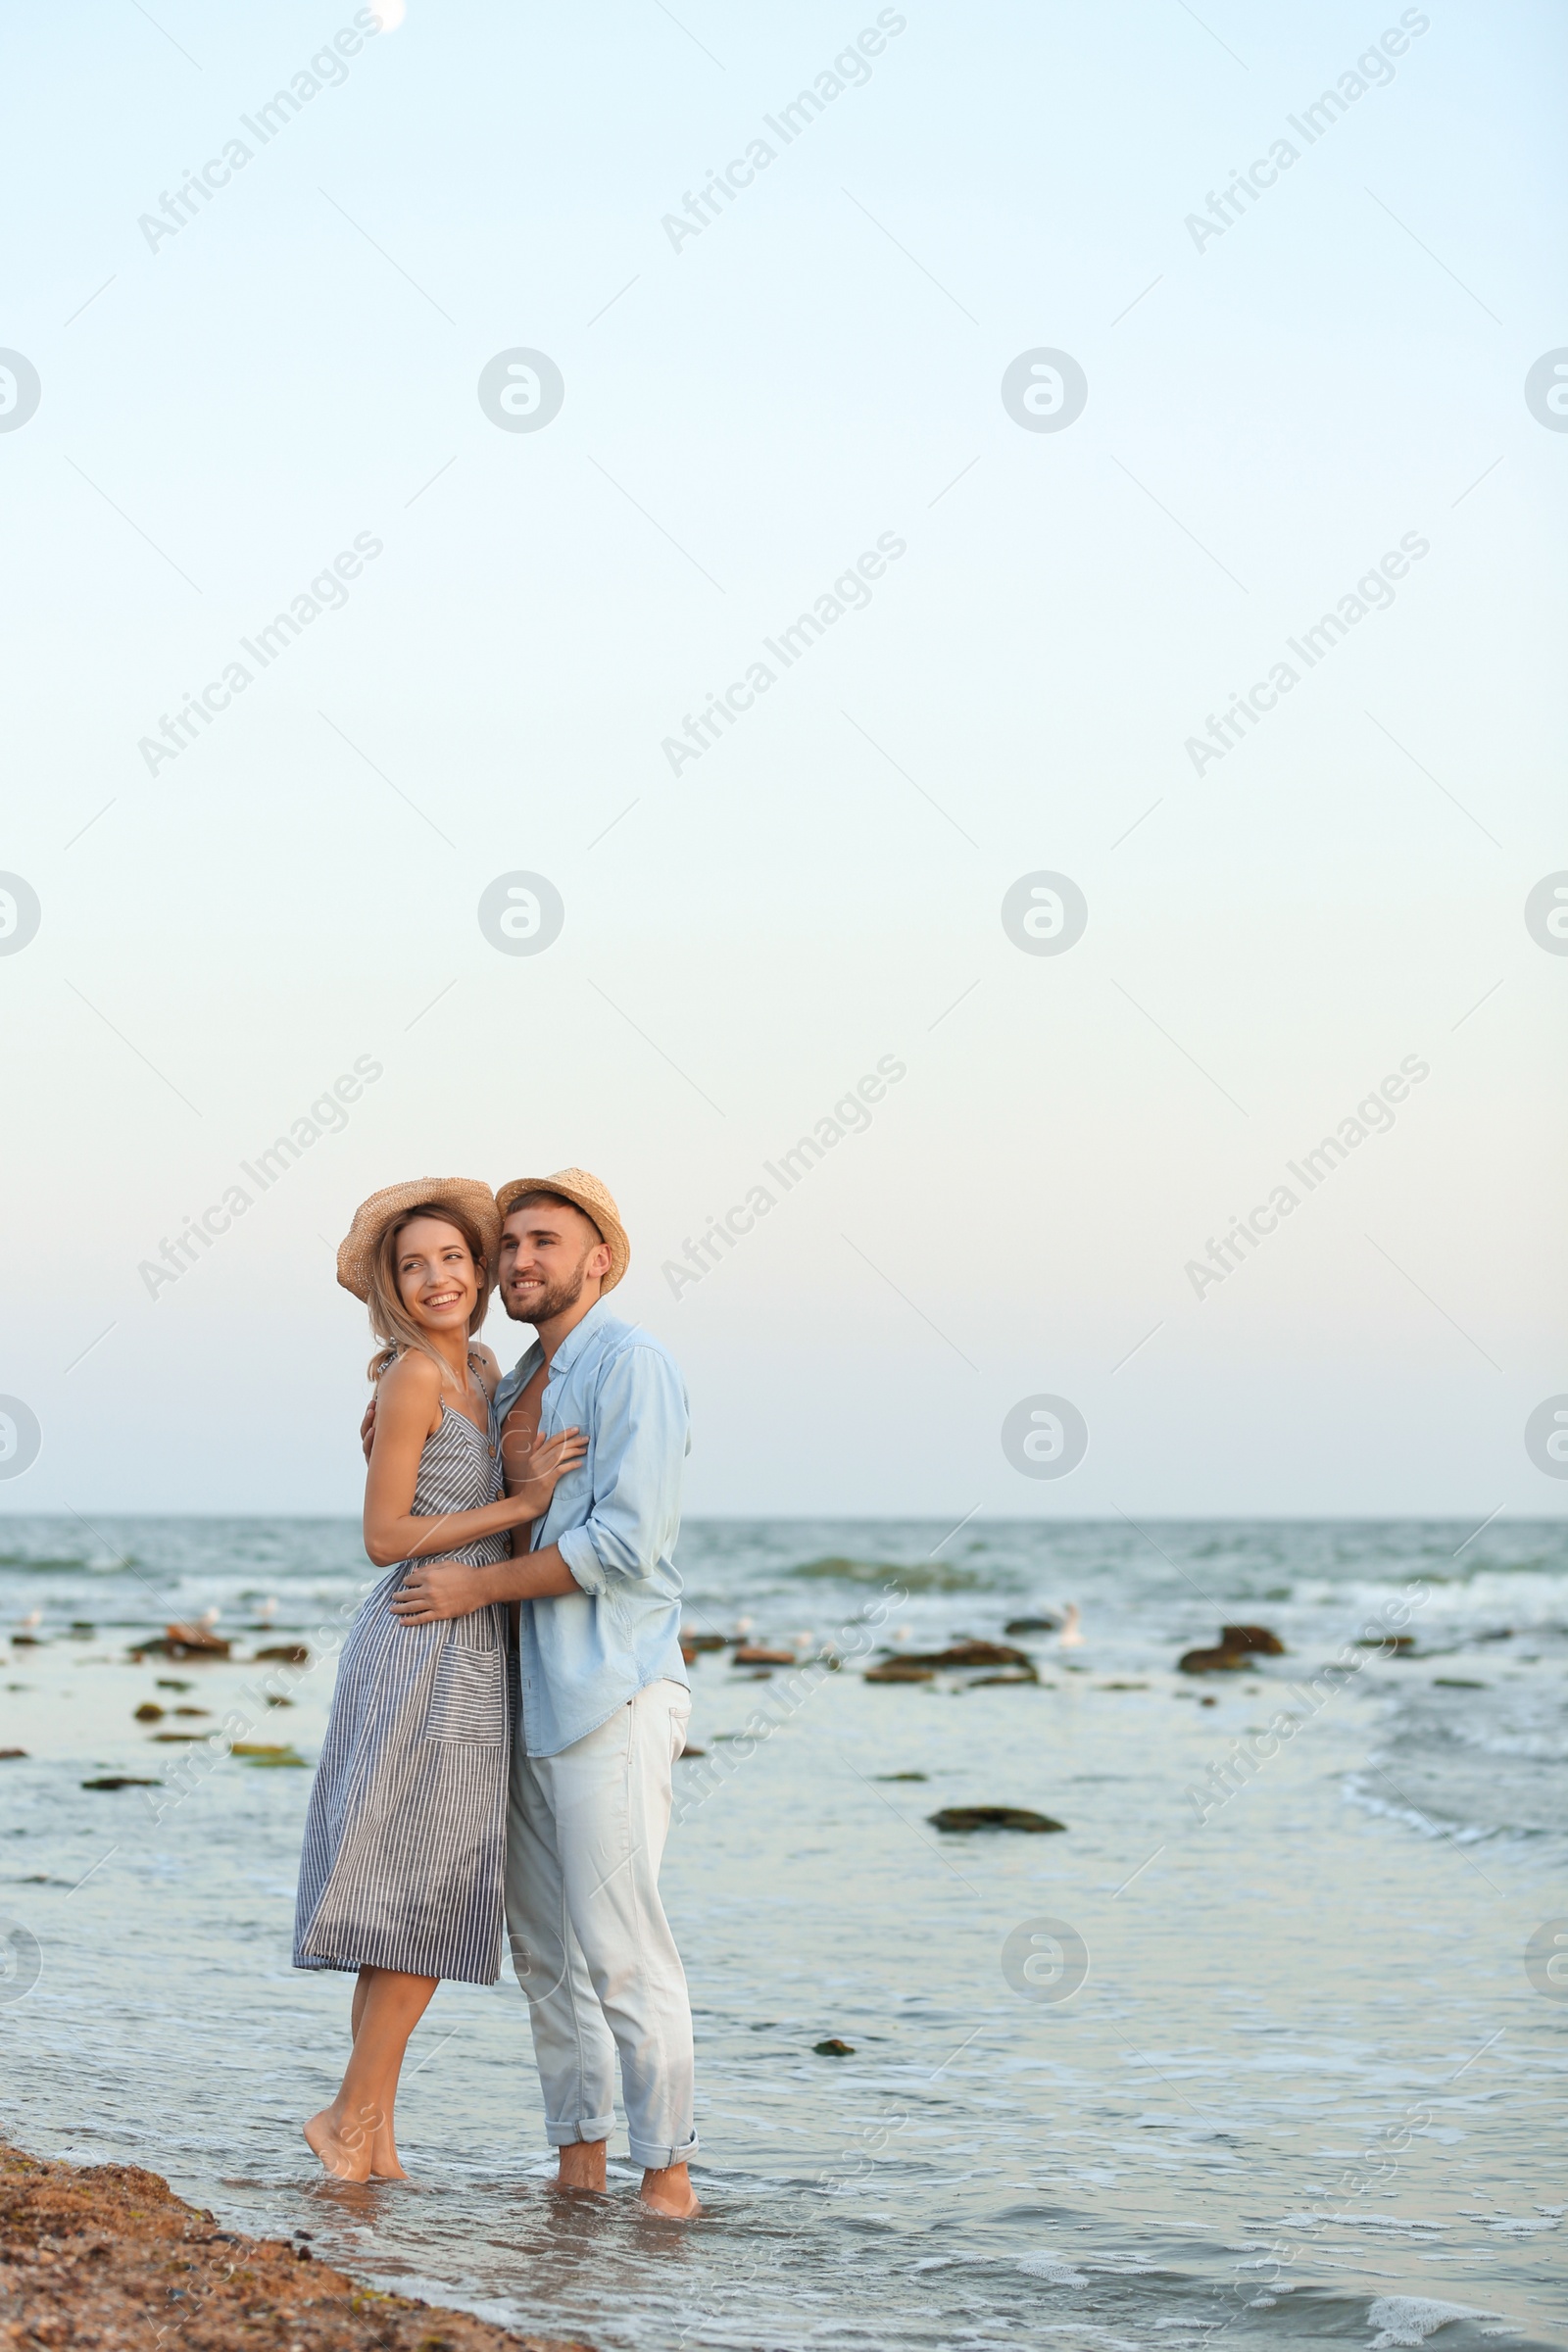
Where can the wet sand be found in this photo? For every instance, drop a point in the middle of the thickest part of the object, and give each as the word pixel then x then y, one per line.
pixel 98 2256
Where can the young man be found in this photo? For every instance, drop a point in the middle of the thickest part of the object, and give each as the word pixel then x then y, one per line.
pixel 604 1694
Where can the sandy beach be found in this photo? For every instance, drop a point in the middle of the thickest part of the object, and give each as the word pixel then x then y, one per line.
pixel 99 2255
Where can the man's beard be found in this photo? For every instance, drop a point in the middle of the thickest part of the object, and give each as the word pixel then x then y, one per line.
pixel 550 1301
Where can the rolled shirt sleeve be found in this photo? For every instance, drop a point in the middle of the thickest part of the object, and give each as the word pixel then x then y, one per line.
pixel 641 1439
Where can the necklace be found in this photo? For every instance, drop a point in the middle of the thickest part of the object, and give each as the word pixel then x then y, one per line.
pixel 481 1396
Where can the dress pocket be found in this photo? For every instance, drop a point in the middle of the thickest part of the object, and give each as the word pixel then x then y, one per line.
pixel 469 1695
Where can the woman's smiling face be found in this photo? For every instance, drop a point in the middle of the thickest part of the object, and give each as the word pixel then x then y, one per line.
pixel 437 1280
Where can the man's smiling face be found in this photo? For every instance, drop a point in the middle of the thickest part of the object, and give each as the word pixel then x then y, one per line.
pixel 549 1249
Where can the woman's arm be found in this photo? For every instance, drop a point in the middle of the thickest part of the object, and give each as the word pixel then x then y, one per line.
pixel 437 1589
pixel 408 1411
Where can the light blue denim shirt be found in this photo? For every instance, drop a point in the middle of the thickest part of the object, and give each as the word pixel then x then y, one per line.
pixel 615 1518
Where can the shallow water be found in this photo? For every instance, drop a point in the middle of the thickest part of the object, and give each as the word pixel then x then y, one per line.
pixel 1308 2092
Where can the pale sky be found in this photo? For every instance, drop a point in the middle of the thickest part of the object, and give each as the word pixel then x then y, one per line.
pixel 1316 406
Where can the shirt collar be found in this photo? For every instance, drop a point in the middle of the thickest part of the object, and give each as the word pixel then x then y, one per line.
pixel 524 1370
pixel 579 1337
pixel 596 1321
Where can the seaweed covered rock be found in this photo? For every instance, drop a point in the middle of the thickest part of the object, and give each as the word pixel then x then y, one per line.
pixel 1252 1636
pixel 993 1817
pixel 1238 1646
pixel 91 2256
pixel 969 1653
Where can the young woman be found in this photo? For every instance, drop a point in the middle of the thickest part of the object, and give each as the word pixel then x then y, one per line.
pixel 401 1874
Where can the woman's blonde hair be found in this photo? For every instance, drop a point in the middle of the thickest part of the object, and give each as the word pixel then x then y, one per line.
pixel 390 1320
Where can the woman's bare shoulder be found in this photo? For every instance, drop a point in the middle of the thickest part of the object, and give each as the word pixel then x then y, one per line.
pixel 414 1378
pixel 484 1362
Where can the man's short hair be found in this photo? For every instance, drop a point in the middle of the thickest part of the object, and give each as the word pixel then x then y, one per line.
pixel 557 1200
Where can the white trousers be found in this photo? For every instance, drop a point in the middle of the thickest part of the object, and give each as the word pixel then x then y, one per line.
pixel 590 1942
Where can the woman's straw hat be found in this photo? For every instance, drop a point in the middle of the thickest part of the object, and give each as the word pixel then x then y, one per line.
pixel 357 1255
pixel 586 1193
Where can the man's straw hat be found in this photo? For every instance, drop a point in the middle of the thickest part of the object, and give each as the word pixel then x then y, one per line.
pixel 586 1193
pixel 357 1255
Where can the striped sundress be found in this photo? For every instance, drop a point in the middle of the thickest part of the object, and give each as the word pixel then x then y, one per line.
pixel 405 1838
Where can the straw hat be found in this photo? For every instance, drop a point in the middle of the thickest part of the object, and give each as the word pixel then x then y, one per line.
pixel 357 1253
pixel 586 1193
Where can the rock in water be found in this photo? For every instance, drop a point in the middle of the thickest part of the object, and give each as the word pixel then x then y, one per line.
pixel 751 1653
pixel 1238 1645
pixel 1032 1624
pixel 1252 1636
pixel 967 1653
pixel 898 1670
pixel 834 2048
pixel 702 1640
pixel 287 1653
pixel 186 1641
pixel 992 1817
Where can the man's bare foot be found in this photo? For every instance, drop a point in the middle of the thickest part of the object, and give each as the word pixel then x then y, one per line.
pixel 582 2167
pixel 669 2192
pixel 345 2159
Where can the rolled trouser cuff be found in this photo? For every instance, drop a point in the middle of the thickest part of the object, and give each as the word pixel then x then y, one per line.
pixel 659 2159
pixel 591 2128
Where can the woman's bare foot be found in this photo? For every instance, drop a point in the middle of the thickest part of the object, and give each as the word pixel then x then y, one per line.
pixel 384 2161
pixel 346 2158
pixel 669 2192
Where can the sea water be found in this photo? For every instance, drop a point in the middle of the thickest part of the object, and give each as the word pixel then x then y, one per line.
pixel 1268 2043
